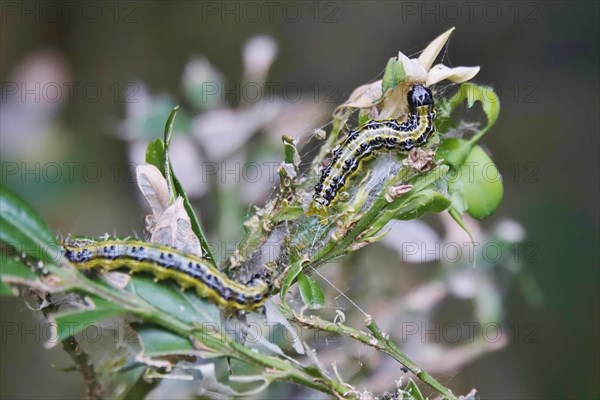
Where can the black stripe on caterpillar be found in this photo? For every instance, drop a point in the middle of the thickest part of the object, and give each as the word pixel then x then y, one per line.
pixel 374 137
pixel 164 262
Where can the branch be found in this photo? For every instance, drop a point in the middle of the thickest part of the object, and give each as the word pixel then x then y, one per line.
pixel 376 339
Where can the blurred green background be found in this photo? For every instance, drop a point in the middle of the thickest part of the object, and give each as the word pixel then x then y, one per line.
pixel 542 58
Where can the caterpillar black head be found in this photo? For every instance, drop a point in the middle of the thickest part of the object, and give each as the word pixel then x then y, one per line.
pixel 418 96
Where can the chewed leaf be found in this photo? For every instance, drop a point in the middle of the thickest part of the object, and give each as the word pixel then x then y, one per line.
pixel 153 186
pixel 174 229
pixel 490 102
pixel 455 151
pixel 457 216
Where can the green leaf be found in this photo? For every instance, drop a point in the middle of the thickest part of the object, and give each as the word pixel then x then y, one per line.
pixel 419 183
pixel 442 121
pixel 15 269
pixel 6 290
pixel 167 297
pixel 484 193
pixel 485 95
pixel 179 191
pixel 479 184
pixel 455 152
pixel 290 152
pixel 70 323
pixel 451 149
pixel 196 228
pixel 169 126
pixel 363 117
pixel 393 75
pixel 412 391
pixel 167 141
pixel 311 292
pixel 155 154
pixel 158 342
pixel 22 228
pixel 140 387
pixel 457 216
pixel 290 277
pixel 427 201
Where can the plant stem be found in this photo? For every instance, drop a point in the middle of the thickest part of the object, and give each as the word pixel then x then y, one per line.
pixel 392 350
pixel 377 339
pixel 222 343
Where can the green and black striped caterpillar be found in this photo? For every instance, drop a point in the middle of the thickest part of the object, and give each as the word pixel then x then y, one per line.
pixel 373 137
pixel 190 271
pixel 164 262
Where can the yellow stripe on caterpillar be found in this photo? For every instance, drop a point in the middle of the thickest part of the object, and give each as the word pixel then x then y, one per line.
pixel 164 262
pixel 374 137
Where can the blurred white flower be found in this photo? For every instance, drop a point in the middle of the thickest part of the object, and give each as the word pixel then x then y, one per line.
pixel 146 114
pixel 463 283
pixel 510 231
pixel 215 148
pixel 414 240
pixel 259 54
pixel 203 83
pixel 136 113
pixel 31 99
pixel 222 132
